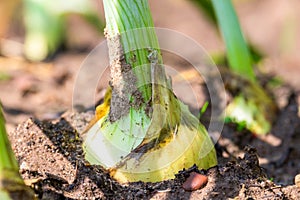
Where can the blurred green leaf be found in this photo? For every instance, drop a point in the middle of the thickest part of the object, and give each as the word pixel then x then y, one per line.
pixel 237 51
pixel 45 24
pixel 203 109
pixel 4 76
pixel 251 106
pixel 207 8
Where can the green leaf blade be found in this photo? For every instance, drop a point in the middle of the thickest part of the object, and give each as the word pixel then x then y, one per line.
pixel 238 54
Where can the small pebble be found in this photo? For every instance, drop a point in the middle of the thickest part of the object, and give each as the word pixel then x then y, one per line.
pixel 297 180
pixel 23 166
pixel 194 182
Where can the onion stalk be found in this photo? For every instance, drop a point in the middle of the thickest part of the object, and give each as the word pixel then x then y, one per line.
pixel 142 132
pixel 251 105
pixel 12 185
pixel 44 25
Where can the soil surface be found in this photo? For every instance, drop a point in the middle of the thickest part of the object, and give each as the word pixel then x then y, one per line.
pixel 52 162
pixel 46 132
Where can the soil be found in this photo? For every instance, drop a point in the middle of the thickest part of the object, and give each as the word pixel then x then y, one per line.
pixel 47 133
pixel 52 162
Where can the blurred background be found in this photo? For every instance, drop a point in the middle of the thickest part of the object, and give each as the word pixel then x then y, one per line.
pixel 43 44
